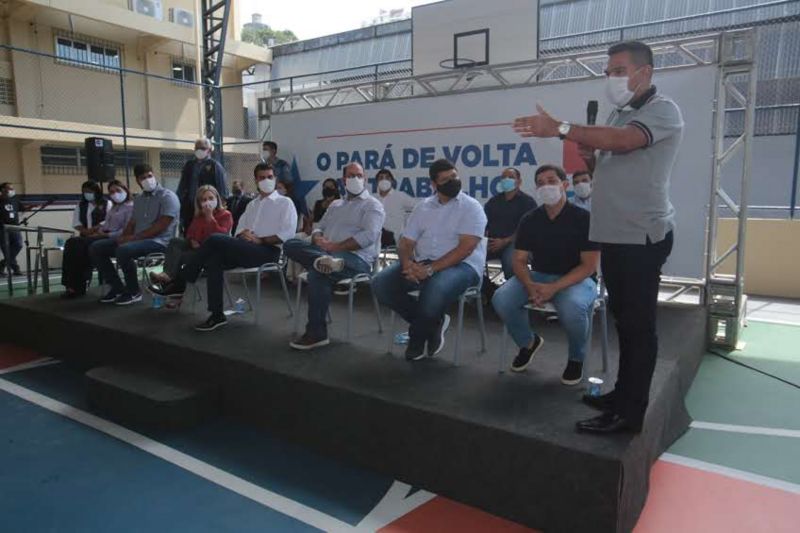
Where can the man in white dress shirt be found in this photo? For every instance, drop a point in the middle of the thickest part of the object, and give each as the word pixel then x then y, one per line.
pixel 269 220
pixel 396 204
pixel 442 253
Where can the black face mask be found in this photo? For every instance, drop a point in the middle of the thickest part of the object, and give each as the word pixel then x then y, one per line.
pixel 328 193
pixel 237 192
pixel 450 189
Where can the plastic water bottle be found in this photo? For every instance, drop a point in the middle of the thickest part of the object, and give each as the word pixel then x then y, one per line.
pixel 239 305
pixel 60 242
pixel 401 338
pixel 158 301
pixel 595 386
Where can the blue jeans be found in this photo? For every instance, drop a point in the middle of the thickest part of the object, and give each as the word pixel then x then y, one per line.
pixel 506 256
pixel 320 286
pixel 436 294
pixel 103 250
pixel 573 304
pixel 14 246
pixel 219 253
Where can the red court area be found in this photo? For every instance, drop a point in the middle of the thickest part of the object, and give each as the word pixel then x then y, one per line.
pixel 11 355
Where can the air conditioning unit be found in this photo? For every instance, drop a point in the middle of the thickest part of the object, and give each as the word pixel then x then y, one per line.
pixel 150 8
pixel 184 17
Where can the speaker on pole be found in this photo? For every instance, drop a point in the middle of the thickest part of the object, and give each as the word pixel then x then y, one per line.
pixel 99 159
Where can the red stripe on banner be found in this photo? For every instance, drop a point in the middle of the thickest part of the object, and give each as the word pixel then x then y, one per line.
pixel 440 128
pixel 12 355
pixel 688 499
pixel 441 514
pixel 572 160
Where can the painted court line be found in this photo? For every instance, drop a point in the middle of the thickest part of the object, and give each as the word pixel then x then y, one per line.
pixel 395 504
pixel 45 361
pixel 773 321
pixel 206 471
pixel 750 430
pixel 731 472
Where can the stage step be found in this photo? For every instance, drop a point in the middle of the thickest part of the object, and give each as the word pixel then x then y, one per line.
pixel 150 397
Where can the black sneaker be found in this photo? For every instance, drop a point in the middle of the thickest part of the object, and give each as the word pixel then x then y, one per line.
pixel 415 349
pixel 212 323
pixel 573 374
pixel 16 271
pixel 128 299
pixel 526 354
pixel 604 402
pixel 307 342
pixel 110 297
pixel 436 342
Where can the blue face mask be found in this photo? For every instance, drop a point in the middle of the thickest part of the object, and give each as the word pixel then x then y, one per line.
pixel 508 184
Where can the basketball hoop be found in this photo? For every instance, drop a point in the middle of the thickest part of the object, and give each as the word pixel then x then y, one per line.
pixel 454 63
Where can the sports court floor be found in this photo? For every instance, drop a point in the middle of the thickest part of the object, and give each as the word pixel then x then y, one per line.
pixel 64 469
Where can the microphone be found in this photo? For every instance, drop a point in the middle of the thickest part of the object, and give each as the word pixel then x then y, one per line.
pixel 591 113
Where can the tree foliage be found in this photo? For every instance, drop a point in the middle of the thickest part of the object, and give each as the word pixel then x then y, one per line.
pixel 262 35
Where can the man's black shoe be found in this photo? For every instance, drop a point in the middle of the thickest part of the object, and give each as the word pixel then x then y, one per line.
pixel 573 373
pixel 608 423
pixel 171 289
pixel 604 402
pixel 110 297
pixel 213 322
pixel 526 354
pixel 16 271
pixel 436 341
pixel 415 349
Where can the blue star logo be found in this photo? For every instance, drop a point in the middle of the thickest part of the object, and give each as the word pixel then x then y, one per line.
pixel 301 187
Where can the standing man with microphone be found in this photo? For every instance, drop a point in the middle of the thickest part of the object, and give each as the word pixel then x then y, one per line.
pixel 632 218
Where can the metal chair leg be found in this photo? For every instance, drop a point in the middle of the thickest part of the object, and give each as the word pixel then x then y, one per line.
pixel 286 292
pixel 350 289
pixel 481 323
pixel 457 349
pixel 604 335
pixel 503 348
pixel 390 349
pixel 297 304
pixel 377 310
pixel 258 297
pixel 227 288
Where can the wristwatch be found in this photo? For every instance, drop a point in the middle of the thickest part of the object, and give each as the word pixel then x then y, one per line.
pixel 563 130
pixel 429 270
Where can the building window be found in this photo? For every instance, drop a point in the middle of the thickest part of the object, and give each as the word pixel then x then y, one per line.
pixel 71 160
pixel 88 53
pixel 182 71
pixel 7 95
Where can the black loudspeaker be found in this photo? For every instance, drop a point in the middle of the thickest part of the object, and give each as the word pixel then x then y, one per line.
pixel 99 159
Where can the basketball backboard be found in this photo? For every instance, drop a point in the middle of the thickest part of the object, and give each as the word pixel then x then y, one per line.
pixel 462 33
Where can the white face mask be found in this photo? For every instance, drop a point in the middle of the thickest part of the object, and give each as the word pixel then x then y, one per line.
pixel 267 185
pixel 583 189
pixel 617 91
pixel 118 197
pixel 88 196
pixel 201 153
pixel 266 154
pixel 12 194
pixel 149 184
pixel 354 186
pixel 549 194
pixel 384 185
pixel 210 204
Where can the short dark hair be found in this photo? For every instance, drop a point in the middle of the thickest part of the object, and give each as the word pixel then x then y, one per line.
pixel 141 169
pixel 117 183
pixel 271 144
pixel 516 172
pixel 555 168
pixel 261 166
pixel 92 186
pixel 582 173
pixel 641 54
pixel 385 172
pixel 440 165
pixel 4 184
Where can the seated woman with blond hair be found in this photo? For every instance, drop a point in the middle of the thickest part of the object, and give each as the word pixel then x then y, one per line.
pixel 210 217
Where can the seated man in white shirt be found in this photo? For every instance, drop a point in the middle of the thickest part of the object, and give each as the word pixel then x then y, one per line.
pixel 442 253
pixel 396 204
pixel 269 220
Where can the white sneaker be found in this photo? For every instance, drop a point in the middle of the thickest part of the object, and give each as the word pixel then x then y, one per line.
pixel 328 264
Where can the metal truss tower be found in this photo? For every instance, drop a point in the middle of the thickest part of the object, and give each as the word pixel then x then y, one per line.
pixel 215 15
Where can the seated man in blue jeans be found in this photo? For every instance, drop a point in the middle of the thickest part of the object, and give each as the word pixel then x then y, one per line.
pixel 155 218
pixel 268 220
pixel 563 260
pixel 345 243
pixel 442 253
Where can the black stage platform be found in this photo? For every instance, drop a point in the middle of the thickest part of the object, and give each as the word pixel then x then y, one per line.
pixel 502 442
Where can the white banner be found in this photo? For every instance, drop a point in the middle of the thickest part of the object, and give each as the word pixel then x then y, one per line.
pixel 474 131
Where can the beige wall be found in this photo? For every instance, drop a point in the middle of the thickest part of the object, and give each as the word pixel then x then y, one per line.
pixel 12 163
pixel 772 256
